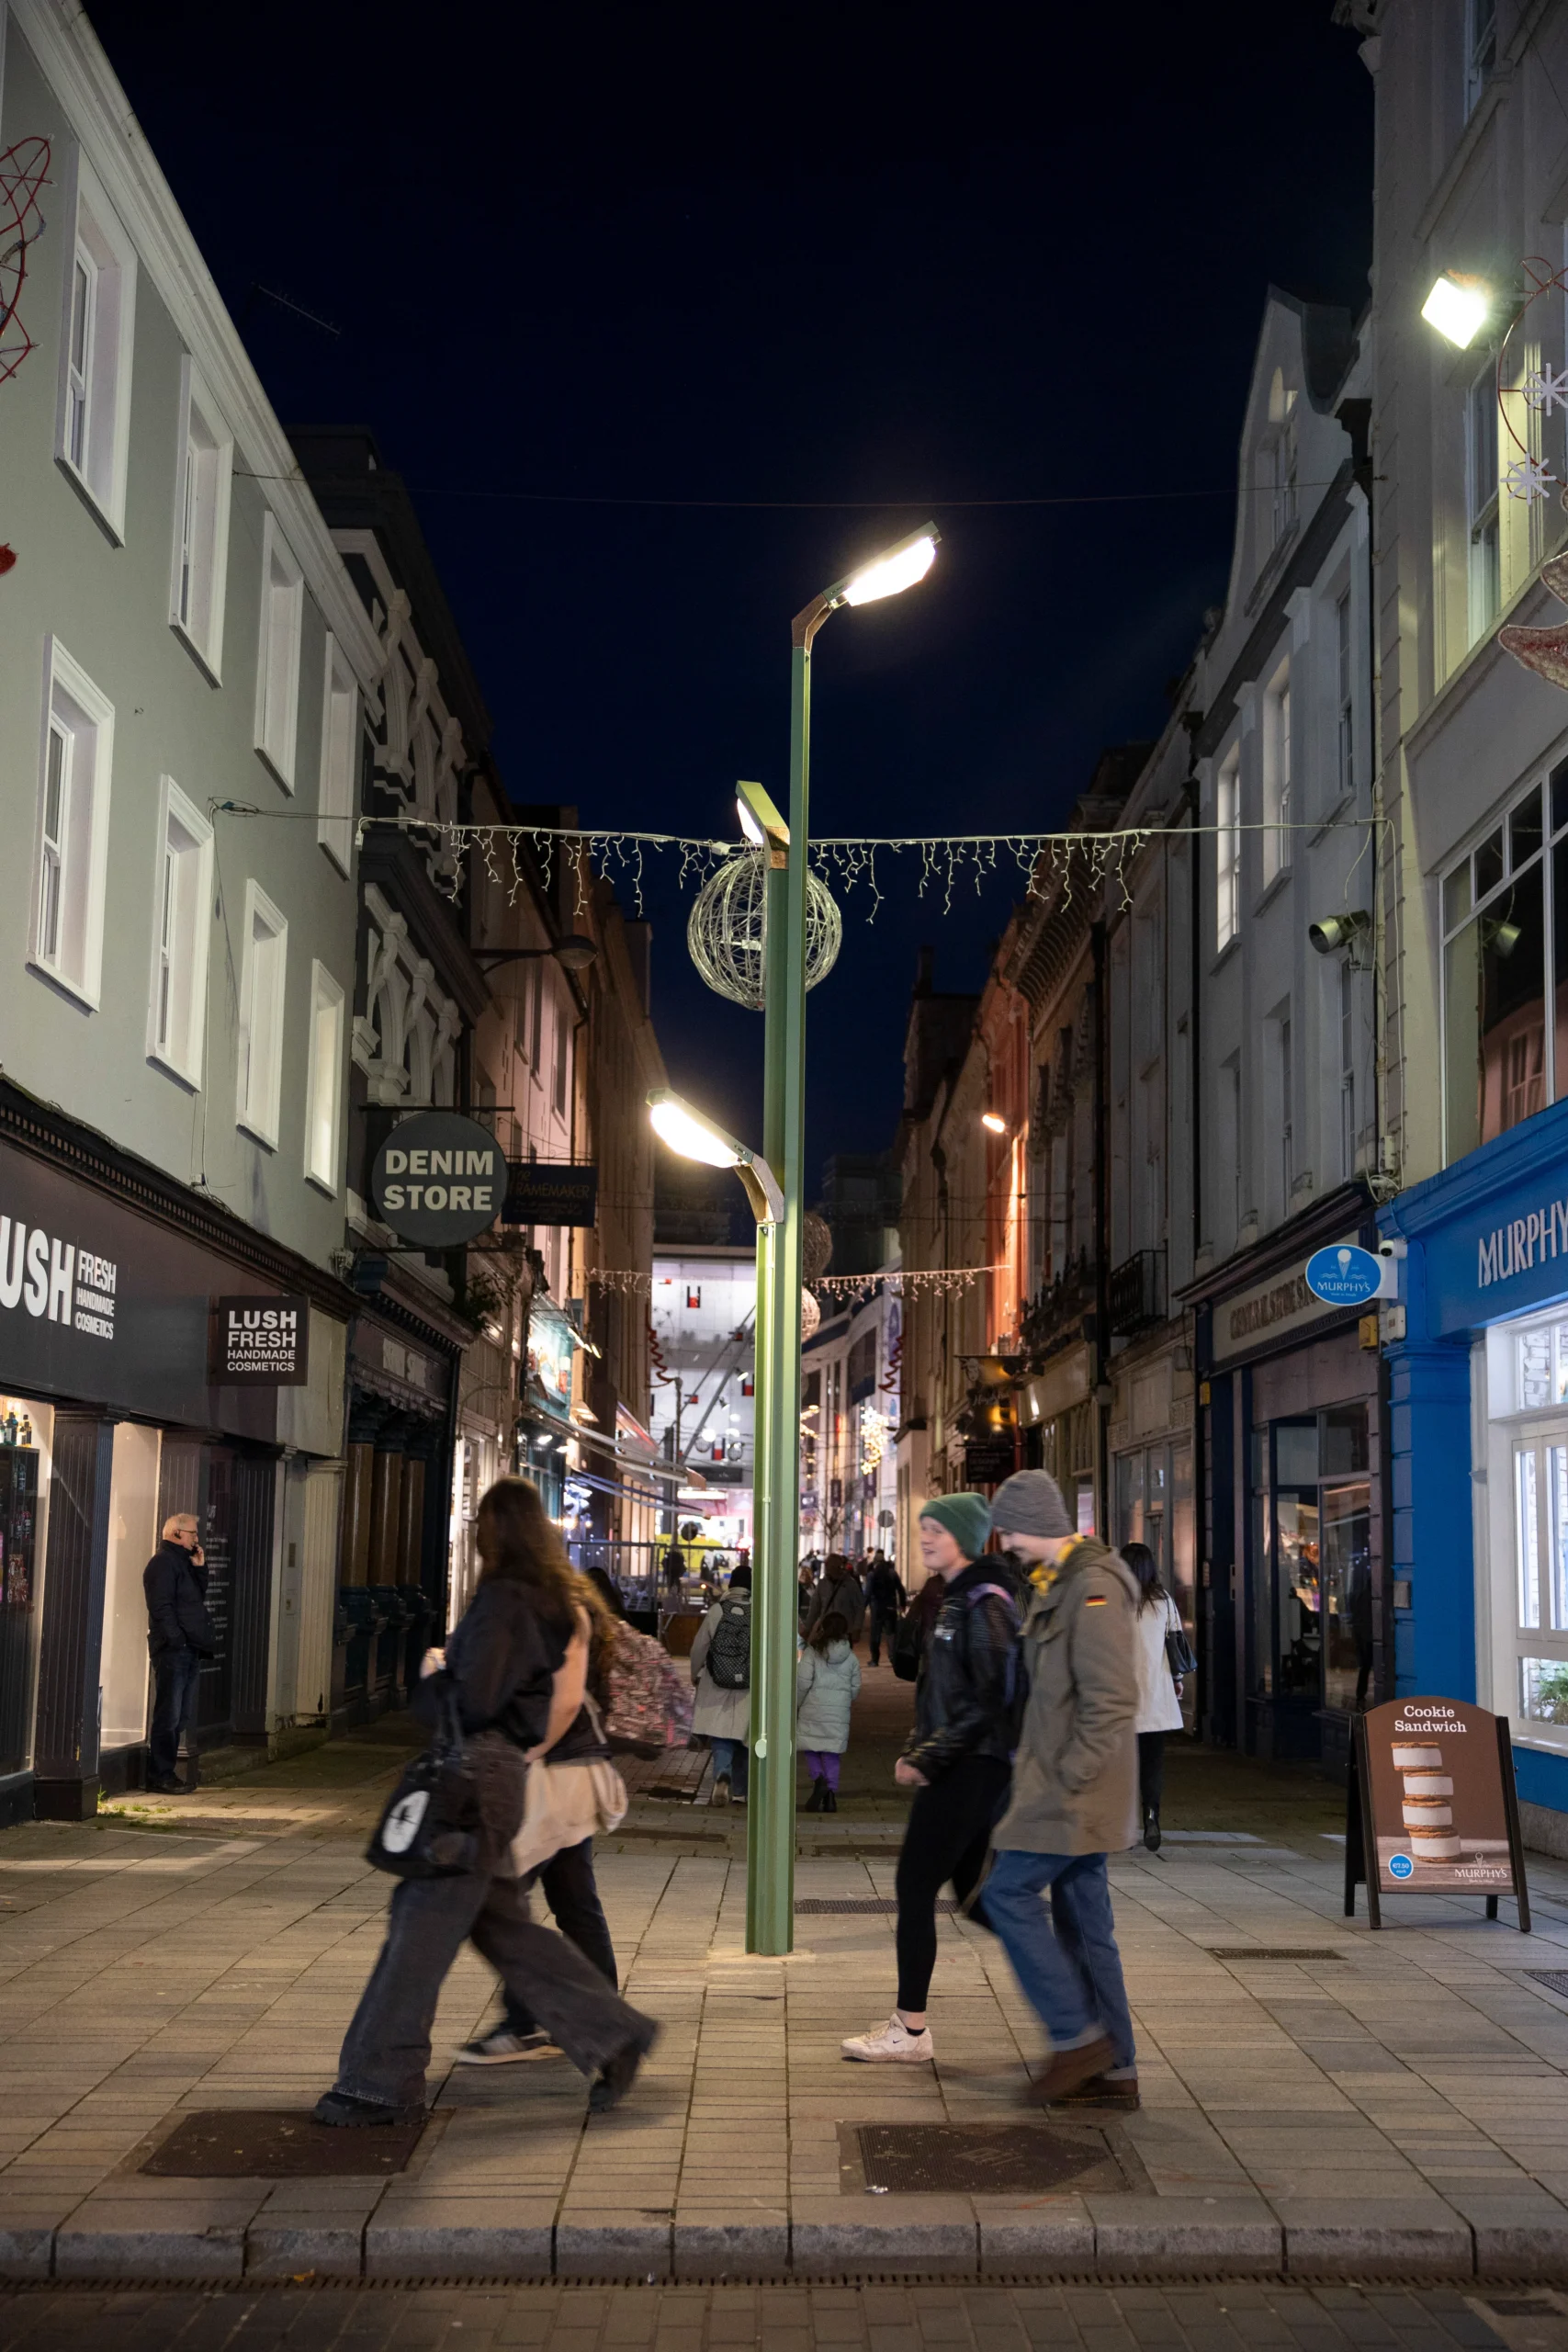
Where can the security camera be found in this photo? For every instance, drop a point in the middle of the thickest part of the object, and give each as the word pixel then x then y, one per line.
pixel 1339 931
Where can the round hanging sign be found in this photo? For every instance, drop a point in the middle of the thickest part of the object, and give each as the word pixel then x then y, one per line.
pixel 439 1179
pixel 1344 1275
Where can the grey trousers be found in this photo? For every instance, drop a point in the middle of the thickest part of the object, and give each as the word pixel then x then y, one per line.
pixel 387 2047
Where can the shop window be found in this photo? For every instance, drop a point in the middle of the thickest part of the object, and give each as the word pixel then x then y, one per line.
pixel 97 332
pixel 201 521
pixel 259 1078
pixel 1540 1564
pixel 1314 1621
pixel 67 930
pixel 278 655
pixel 182 886
pixel 1496 1043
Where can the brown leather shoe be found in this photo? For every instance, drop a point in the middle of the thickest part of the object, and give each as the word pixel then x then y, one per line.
pixel 1067 2068
pixel 1102 2090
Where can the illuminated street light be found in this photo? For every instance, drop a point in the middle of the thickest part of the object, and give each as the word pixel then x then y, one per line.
pixel 1458 306
pixel 686 1131
pixel 994 1121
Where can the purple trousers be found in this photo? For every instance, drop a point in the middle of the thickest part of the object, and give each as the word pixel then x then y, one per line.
pixel 823 1765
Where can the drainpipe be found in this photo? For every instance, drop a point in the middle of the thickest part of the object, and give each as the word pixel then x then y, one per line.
pixel 1101 1229
pixel 1192 720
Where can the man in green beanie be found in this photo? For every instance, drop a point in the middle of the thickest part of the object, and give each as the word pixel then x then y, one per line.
pixel 957 1761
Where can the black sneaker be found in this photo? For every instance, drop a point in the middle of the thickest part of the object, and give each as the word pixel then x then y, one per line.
pixel 343 2109
pixel 1151 1832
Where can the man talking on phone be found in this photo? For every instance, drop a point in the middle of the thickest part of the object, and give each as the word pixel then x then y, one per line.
pixel 179 1639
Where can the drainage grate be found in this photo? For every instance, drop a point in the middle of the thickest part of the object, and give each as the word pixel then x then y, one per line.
pixel 823 1905
pixel 1270 1951
pixel 976 2159
pixel 277 2143
pixel 1554 1979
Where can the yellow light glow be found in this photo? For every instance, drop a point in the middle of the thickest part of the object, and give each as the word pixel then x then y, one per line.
pixel 995 1122
pixel 891 573
pixel 1458 307
pixel 691 1136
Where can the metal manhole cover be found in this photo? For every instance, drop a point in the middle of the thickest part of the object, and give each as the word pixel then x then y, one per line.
pixel 822 1906
pixel 1554 1979
pixel 1269 1951
pixel 277 2143
pixel 975 2159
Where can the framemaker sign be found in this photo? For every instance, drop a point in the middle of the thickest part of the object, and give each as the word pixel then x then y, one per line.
pixel 1251 1319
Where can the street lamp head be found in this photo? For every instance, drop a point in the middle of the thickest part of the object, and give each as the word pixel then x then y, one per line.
pixel 994 1122
pixel 573 953
pixel 677 1123
pixel 1458 306
pixel 891 573
pixel 761 823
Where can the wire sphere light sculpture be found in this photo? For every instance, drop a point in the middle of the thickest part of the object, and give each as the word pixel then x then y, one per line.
pixel 726 931
pixel 815 1245
pixel 810 1315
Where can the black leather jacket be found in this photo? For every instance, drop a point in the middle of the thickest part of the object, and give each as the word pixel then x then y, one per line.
pixel 176 1589
pixel 961 1700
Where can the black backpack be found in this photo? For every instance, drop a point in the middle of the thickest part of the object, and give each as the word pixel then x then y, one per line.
pixel 729 1651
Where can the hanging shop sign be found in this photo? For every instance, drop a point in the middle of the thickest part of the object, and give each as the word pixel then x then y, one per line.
pixel 1345 1275
pixel 988 1461
pixel 1249 1320
pixel 1432 1808
pixel 260 1342
pixel 438 1180
pixel 551 1347
pixel 546 1192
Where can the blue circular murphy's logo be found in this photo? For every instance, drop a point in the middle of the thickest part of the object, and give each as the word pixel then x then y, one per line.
pixel 1400 1866
pixel 1344 1275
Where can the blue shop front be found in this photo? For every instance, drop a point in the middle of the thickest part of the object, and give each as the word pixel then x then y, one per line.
pixel 1479 1447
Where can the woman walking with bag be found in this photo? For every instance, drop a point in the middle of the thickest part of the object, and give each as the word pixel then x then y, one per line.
pixel 583 1785
pixel 1160 1688
pixel 721 1670
pixel 826 1686
pixel 512 1675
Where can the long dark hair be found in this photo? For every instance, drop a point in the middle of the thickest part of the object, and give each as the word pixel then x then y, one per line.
pixel 1141 1560
pixel 834 1627
pixel 516 1539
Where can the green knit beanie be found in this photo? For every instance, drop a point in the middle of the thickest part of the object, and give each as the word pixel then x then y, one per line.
pixel 967 1519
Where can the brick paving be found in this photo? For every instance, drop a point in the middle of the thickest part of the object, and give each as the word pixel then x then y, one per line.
pixel 1394 2107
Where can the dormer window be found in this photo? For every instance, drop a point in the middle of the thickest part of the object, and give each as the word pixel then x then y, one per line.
pixel 1479 50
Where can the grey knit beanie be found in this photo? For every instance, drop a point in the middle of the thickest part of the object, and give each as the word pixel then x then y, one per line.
pixel 1030 1503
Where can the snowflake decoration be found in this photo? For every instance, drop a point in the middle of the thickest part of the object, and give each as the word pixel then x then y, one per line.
pixel 1545 390
pixel 1527 477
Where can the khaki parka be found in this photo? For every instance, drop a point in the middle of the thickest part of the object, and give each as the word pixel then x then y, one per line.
pixel 1075 1777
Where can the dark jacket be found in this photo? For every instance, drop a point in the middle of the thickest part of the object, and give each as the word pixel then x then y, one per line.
pixel 1075 1779
pixel 177 1604
pixel 501 1661
pixel 842 1593
pixel 962 1701
pixel 884 1589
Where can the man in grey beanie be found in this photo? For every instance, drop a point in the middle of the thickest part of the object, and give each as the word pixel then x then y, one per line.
pixel 1073 1796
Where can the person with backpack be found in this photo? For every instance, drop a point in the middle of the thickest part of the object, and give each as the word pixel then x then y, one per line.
pixel 721 1670
pixel 839 1589
pixel 1073 1797
pixel 826 1686
pixel 1159 1628
pixel 885 1598
pixel 957 1761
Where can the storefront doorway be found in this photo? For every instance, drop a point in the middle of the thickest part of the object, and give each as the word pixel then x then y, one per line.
pixel 1313 1638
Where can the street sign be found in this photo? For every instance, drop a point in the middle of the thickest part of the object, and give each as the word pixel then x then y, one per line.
pixel 1431 1808
pixel 438 1180
pixel 1344 1275
pixel 548 1192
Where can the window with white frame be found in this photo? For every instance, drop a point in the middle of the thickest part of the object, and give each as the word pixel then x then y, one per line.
pixel 1228 854
pixel 97 326
pixel 324 1084
pixel 1505 921
pixel 259 1060
pixel 66 930
pixel 278 655
pixel 182 887
pixel 204 463
pixel 1277 808
pixel 1344 695
pixel 1479 50
pixel 340 744
pixel 1481 500
pixel 563 1050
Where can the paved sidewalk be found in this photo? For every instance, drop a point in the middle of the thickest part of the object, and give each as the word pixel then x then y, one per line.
pixel 1392 2107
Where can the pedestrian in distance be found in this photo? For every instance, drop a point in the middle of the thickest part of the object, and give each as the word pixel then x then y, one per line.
pixel 826 1686
pixel 567 1880
pixel 885 1598
pixel 1159 1692
pixel 807 1584
pixel 721 1670
pixel 1073 1796
pixel 180 1638
pixel 956 1761
pixel 516 1666
pixel 839 1589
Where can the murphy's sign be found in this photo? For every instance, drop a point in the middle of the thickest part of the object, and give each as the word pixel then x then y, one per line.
pixel 1524 1243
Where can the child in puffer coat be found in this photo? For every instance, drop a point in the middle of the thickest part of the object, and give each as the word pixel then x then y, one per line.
pixel 826 1686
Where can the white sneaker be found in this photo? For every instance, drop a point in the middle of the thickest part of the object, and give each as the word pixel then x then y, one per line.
pixel 892 2041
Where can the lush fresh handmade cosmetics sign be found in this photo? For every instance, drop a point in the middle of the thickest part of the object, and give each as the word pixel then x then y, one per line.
pixel 261 1342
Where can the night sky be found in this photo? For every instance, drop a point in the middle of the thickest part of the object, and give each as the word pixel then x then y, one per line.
pixel 668 315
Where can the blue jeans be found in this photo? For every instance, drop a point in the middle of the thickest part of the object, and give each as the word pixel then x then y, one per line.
pixel 731 1758
pixel 1068 1966
pixel 176 1676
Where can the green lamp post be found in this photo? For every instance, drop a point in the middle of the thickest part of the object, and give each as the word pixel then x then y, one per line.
pixel 769 1839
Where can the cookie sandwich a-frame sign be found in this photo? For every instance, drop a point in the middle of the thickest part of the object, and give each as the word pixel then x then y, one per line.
pixel 1432 1808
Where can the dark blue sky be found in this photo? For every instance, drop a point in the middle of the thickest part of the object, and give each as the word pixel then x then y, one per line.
pixel 877 253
